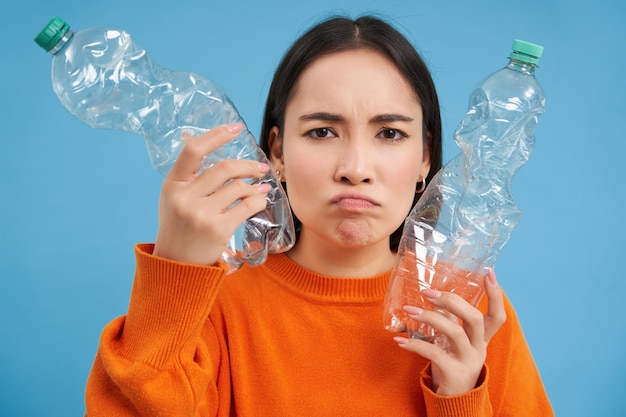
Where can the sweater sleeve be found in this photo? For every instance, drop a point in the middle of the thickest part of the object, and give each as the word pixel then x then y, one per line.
pixel 509 385
pixel 515 386
pixel 163 358
pixel 473 403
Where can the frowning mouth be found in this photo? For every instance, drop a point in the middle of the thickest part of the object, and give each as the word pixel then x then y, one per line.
pixel 354 202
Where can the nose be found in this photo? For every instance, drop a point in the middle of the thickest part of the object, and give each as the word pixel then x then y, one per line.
pixel 355 163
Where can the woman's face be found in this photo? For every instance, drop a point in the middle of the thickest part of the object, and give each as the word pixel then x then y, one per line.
pixel 352 149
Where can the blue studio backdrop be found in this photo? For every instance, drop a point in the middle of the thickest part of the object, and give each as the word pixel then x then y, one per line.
pixel 74 200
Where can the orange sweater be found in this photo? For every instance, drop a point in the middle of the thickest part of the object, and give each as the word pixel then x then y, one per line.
pixel 278 340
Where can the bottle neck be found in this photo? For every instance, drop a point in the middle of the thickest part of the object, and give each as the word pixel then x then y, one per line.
pixel 521 66
pixel 62 42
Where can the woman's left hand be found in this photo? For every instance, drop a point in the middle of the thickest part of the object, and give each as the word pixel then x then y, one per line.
pixel 457 371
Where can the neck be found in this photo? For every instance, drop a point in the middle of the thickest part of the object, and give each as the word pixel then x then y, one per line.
pixel 324 258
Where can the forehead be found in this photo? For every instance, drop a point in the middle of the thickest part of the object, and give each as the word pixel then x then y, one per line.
pixel 361 78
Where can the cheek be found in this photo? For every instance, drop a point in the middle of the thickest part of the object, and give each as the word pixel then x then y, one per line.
pixel 405 175
pixel 302 175
pixel 300 170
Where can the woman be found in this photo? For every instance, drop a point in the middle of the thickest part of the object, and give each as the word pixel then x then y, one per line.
pixel 352 128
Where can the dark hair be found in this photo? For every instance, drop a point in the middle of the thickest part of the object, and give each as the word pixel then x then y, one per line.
pixel 341 34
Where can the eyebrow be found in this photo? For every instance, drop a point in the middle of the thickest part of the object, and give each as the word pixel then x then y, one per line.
pixel 380 118
pixel 390 117
pixel 323 116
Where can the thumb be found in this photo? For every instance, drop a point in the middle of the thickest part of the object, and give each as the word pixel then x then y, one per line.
pixel 496 316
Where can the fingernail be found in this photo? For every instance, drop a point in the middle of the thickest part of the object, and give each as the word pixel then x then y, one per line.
pixel 430 293
pixel 264 188
pixel 263 168
pixel 416 311
pixel 401 340
pixel 235 127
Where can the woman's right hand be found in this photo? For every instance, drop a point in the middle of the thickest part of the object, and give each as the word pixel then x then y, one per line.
pixel 195 221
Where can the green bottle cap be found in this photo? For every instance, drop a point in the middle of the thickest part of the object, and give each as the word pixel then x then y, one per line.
pixel 526 52
pixel 52 33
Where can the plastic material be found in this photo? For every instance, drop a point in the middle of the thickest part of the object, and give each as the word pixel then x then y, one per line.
pixel 526 52
pixel 456 230
pixel 108 81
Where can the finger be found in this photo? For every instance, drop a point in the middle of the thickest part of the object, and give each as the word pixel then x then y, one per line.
pixel 496 316
pixel 247 206
pixel 425 349
pixel 213 216
pixel 224 171
pixel 195 148
pixel 444 323
pixel 236 191
pixel 473 321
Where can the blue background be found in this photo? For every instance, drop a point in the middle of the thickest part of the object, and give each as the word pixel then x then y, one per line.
pixel 74 200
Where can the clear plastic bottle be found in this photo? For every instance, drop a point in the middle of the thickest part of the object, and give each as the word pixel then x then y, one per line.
pixel 456 230
pixel 108 81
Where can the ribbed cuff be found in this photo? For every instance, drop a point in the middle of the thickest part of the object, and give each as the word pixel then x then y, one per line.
pixel 169 304
pixel 472 403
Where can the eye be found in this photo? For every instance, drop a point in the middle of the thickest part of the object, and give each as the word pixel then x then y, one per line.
pixel 392 134
pixel 320 133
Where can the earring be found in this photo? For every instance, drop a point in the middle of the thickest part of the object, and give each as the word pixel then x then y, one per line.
pixel 422 188
pixel 278 175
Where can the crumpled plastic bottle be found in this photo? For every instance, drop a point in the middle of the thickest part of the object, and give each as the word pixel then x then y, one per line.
pixel 466 215
pixel 108 81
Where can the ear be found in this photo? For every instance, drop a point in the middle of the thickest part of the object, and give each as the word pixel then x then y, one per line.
pixel 275 143
pixel 425 166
